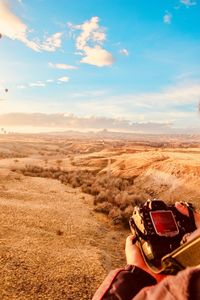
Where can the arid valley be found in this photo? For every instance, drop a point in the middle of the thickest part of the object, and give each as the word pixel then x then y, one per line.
pixel 65 203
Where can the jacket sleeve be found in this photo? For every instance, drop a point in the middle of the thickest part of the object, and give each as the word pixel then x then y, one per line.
pixel 183 286
pixel 123 284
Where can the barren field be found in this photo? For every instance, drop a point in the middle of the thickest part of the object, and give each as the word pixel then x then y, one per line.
pixel 65 205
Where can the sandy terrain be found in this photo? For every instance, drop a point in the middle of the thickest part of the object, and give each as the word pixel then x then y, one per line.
pixel 52 243
pixel 52 246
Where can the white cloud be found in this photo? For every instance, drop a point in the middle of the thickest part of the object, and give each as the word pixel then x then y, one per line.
pixel 49 80
pixel 69 121
pixel 37 84
pixel 62 66
pixel 52 42
pixel 21 86
pixel 188 2
pixel 124 52
pixel 14 28
pixel 90 32
pixel 63 79
pixel 90 43
pixel 167 18
pixel 185 94
pixel 10 25
pixel 97 56
pixel 177 104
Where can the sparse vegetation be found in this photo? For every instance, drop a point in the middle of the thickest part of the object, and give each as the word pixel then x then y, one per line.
pixel 112 196
pixel 59 232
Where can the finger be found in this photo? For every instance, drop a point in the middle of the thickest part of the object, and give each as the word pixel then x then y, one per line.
pixel 130 243
pixel 182 208
pixel 130 239
pixel 133 254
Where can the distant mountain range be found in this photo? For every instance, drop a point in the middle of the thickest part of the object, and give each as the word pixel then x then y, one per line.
pixel 40 122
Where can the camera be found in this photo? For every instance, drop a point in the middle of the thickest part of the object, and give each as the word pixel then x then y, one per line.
pixel 159 229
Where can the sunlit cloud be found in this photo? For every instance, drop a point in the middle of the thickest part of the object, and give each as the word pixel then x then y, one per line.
pixel 51 43
pixel 14 28
pixel 97 56
pixel 62 66
pixel 177 104
pixel 124 52
pixel 90 43
pixel 71 121
pixel 188 3
pixel 37 84
pixel 21 86
pixel 42 83
pixel 63 79
pixel 185 94
pixel 167 18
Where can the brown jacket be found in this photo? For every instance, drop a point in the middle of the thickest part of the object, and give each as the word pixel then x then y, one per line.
pixel 132 283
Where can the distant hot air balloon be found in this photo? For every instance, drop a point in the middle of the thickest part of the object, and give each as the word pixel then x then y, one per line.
pixel 6 90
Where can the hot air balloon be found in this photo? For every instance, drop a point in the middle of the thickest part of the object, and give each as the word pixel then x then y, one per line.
pixel 6 90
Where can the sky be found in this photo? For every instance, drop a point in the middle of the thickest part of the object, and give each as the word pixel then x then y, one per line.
pixel 131 62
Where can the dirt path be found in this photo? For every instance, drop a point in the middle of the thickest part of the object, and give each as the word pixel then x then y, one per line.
pixel 52 245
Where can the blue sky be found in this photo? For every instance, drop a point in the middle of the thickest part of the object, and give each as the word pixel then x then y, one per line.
pixel 132 60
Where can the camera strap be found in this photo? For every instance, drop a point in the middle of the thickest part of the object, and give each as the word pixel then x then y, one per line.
pixel 191 214
pixel 187 255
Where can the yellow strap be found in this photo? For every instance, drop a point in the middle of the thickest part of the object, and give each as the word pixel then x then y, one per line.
pixel 187 255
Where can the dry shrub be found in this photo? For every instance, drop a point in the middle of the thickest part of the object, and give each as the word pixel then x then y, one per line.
pixel 27 173
pixel 75 182
pixel 138 199
pixel 45 174
pixel 103 181
pixel 96 188
pixel 101 197
pixel 86 188
pixel 4 155
pixel 126 214
pixel 59 232
pixel 62 178
pixel 112 196
pixel 123 184
pixel 57 174
pixel 122 199
pixel 104 207
pixel 115 215
pixel 88 180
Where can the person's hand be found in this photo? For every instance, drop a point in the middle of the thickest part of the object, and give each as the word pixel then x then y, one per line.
pixel 182 208
pixel 134 257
